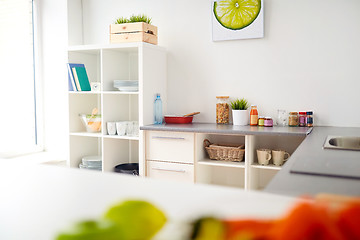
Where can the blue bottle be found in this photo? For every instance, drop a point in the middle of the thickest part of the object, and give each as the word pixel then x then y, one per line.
pixel 158 110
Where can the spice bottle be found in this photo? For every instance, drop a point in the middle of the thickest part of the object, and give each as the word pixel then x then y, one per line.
pixel 253 115
pixel 293 119
pixel 309 119
pixel 302 119
pixel 222 110
pixel 261 121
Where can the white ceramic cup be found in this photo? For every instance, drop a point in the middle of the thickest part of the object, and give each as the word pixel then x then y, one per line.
pixel 111 128
pixel 264 156
pixel 279 157
pixel 121 128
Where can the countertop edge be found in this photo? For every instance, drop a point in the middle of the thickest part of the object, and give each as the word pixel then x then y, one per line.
pixel 226 129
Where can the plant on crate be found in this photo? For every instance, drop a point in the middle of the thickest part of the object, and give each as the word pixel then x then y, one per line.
pixel 239 111
pixel 137 28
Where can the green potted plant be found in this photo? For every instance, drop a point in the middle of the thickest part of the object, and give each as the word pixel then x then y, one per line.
pixel 137 28
pixel 239 111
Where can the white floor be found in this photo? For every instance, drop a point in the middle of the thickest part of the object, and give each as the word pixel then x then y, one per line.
pixel 37 158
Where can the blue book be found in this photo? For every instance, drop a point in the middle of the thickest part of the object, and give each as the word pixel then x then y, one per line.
pixel 72 83
pixel 81 79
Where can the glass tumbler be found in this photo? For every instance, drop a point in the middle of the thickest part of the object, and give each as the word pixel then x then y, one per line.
pixel 282 118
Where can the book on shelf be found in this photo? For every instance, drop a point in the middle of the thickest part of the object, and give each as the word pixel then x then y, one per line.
pixel 78 79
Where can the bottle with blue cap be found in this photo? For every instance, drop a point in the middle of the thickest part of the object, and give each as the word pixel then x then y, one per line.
pixel 158 116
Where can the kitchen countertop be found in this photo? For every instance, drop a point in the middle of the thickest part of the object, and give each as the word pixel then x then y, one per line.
pixel 38 201
pixel 229 129
pixel 310 151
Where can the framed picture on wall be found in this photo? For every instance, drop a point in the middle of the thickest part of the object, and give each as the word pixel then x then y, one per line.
pixel 237 19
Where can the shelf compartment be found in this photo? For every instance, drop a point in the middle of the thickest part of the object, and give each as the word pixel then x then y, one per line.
pixel 91 60
pixel 120 107
pixel 81 104
pixel 119 65
pixel 86 146
pixel 260 177
pixel 118 151
pixel 221 175
pixel 222 163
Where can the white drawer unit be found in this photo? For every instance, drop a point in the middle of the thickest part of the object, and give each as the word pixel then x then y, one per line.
pixel 170 146
pixel 170 171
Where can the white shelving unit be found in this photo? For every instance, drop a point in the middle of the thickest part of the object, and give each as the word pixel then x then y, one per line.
pixel 105 63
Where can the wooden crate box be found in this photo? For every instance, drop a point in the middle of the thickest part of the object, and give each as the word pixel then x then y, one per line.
pixel 133 32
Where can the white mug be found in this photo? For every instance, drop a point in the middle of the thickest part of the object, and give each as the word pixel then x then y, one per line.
pixel 279 157
pixel 264 156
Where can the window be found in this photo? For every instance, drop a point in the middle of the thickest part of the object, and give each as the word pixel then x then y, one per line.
pixel 18 118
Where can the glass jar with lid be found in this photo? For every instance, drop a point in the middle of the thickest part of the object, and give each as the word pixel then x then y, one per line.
pixel 302 119
pixel 222 110
pixel 293 119
pixel 261 121
pixel 309 119
pixel 268 122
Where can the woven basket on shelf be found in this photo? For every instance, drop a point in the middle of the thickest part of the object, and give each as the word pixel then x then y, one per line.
pixel 224 152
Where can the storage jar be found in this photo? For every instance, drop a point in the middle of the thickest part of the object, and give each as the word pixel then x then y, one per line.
pixel 302 119
pixel 222 110
pixel 293 119
pixel 309 119
pixel 268 122
pixel 261 121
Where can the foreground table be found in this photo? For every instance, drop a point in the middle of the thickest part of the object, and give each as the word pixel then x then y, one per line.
pixel 38 201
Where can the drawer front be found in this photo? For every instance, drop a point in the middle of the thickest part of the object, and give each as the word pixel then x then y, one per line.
pixel 170 146
pixel 170 171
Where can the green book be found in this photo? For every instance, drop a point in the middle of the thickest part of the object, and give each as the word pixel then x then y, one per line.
pixel 81 78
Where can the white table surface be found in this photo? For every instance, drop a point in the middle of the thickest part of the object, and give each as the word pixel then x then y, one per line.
pixel 38 201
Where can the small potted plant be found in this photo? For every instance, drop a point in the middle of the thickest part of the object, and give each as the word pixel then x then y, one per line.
pixel 239 111
pixel 137 28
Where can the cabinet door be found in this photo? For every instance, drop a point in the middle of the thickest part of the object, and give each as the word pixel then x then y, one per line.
pixel 170 146
pixel 170 171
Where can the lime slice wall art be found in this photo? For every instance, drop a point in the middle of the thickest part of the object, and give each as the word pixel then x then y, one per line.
pixel 237 19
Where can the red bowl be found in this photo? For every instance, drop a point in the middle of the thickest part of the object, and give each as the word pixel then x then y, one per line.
pixel 179 120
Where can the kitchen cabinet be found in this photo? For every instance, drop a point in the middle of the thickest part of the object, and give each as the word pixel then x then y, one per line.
pixel 170 155
pixel 105 63
pixel 184 144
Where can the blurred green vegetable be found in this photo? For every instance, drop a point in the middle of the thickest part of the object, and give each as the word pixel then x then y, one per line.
pixel 137 219
pixel 129 220
pixel 92 230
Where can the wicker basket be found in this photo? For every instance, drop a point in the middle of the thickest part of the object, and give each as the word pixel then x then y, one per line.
pixel 224 152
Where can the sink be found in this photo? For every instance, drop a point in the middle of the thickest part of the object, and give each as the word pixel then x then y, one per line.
pixel 342 143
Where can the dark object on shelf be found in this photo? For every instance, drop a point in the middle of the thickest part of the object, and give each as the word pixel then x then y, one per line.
pixel 224 152
pixel 128 168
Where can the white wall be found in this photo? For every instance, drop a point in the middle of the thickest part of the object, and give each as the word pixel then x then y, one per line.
pixel 308 60
pixel 52 24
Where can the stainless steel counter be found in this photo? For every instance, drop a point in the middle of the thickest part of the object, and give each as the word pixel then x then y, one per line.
pixel 339 173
